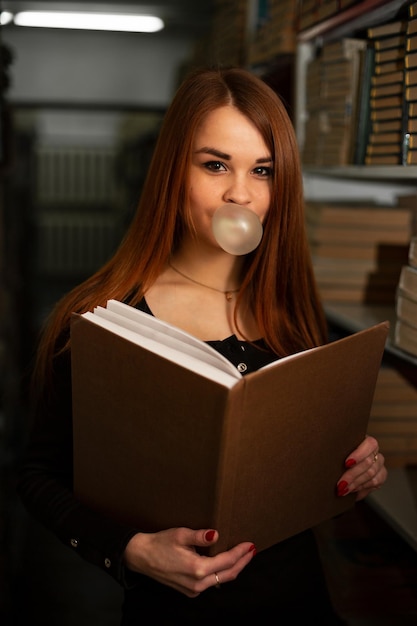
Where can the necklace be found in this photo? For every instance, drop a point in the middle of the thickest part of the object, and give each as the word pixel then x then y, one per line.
pixel 228 293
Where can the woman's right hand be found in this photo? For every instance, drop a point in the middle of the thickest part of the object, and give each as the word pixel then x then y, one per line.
pixel 171 558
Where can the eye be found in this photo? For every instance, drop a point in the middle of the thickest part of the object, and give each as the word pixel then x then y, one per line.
pixel 263 171
pixel 214 166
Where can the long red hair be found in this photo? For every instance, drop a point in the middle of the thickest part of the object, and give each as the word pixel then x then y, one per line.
pixel 278 276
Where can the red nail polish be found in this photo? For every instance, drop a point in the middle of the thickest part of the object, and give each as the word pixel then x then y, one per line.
pixel 252 549
pixel 342 488
pixel 209 536
pixel 350 463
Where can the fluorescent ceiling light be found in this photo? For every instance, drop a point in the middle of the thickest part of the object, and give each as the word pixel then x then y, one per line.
pixel 90 21
pixel 5 17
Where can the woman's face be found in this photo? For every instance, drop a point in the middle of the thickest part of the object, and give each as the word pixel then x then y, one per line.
pixel 230 163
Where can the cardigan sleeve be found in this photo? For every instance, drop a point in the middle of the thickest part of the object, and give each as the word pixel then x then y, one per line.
pixel 45 483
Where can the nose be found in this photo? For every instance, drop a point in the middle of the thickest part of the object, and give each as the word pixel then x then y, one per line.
pixel 237 192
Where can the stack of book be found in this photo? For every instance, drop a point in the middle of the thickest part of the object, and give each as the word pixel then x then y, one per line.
pixel 406 304
pixel 410 86
pixel 333 79
pixel 273 31
pixel 385 140
pixel 393 418
pixel 312 12
pixel 228 32
pixel 359 249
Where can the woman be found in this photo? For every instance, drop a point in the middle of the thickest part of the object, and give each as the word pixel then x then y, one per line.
pixel 226 138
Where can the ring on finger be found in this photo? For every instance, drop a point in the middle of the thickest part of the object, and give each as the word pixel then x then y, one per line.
pixel 217 585
pixel 375 457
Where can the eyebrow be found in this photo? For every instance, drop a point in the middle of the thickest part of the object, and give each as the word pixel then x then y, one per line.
pixel 227 157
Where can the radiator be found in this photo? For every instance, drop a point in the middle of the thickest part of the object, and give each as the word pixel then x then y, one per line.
pixel 71 174
pixel 75 244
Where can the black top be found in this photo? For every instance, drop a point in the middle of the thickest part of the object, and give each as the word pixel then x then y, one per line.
pixel 286 578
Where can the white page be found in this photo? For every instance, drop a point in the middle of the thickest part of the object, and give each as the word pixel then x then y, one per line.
pixel 169 330
pixel 210 356
pixel 186 360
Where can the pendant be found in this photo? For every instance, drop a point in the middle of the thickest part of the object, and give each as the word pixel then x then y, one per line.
pixel 228 295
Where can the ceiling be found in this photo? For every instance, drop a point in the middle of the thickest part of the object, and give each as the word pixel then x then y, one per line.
pixel 181 17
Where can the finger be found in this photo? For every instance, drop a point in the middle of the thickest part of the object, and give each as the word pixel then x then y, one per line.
pixel 365 448
pixel 221 576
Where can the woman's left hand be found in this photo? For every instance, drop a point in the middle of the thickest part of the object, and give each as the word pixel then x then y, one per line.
pixel 365 470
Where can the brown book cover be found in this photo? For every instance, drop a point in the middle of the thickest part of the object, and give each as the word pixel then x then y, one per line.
pixel 158 445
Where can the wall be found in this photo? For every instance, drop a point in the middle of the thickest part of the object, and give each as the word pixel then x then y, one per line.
pixel 84 67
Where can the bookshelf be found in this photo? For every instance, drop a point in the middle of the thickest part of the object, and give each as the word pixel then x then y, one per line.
pixel 397 501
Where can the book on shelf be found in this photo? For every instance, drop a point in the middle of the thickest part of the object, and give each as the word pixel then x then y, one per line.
pixel 378 252
pixel 181 438
pixel 410 77
pixel 383 159
pixel 357 294
pixel 358 214
pixel 385 138
pixel 391 89
pixel 389 67
pixel 332 105
pixel 386 43
pixel 411 92
pixel 412 9
pixel 408 281
pixel 411 157
pixel 412 252
pixel 412 140
pixel 387 102
pixel 405 337
pixel 392 54
pixel 387 126
pixel 411 43
pixel 379 115
pixel 355 235
pixel 389 29
pixel 341 49
pixel 411 27
pixel 411 125
pixel 368 92
pixel 375 149
pixel 393 418
pixel 406 307
pixel 410 60
pixel 380 80
pixel 411 109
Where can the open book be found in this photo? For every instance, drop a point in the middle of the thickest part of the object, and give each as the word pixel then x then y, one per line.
pixel 168 433
pixel 166 340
